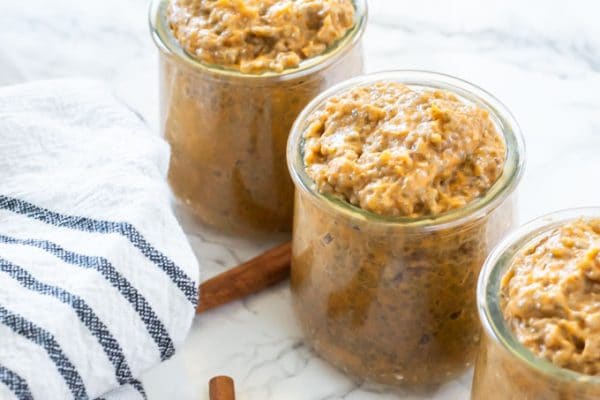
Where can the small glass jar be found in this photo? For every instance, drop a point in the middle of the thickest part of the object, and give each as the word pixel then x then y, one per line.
pixel 228 130
pixel 392 299
pixel 505 368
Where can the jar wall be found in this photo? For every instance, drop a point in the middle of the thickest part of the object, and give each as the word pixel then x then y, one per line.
pixel 387 303
pixel 228 137
pixel 499 375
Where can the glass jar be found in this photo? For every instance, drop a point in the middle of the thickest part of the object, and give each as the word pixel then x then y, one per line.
pixel 506 369
pixel 228 130
pixel 392 299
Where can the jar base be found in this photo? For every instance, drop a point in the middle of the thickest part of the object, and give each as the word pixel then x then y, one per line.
pixel 353 367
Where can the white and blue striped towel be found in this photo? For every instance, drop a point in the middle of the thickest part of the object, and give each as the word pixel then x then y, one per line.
pixel 97 280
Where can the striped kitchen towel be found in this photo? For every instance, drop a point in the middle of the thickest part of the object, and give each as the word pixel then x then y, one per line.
pixel 97 281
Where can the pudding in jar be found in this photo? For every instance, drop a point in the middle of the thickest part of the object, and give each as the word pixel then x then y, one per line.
pixel 542 313
pixel 256 36
pixel 403 184
pixel 234 74
pixel 550 297
pixel 393 150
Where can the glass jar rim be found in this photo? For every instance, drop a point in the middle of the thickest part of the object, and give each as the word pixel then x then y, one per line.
pixel 166 42
pixel 488 290
pixel 513 168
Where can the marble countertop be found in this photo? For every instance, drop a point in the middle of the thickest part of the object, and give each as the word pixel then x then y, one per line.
pixel 541 58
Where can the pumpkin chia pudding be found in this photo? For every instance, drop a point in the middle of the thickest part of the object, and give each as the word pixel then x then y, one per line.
pixel 549 301
pixel 386 252
pixel 551 297
pixel 259 35
pixel 234 76
pixel 397 151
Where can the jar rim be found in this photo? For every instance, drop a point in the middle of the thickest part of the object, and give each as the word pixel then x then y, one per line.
pixel 488 290
pixel 167 43
pixel 511 175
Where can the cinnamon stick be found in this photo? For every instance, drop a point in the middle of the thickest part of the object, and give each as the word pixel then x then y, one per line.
pixel 250 277
pixel 221 388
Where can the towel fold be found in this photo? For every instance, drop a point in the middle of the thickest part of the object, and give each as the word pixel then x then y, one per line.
pixel 97 280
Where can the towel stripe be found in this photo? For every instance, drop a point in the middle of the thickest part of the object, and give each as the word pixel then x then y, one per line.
pixel 45 339
pixel 122 392
pixel 177 275
pixel 86 315
pixel 154 325
pixel 15 383
pixel 137 385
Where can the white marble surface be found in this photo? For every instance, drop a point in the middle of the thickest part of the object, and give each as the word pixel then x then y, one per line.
pixel 542 58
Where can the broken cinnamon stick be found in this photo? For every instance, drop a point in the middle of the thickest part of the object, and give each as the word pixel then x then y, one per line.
pixel 221 388
pixel 250 277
